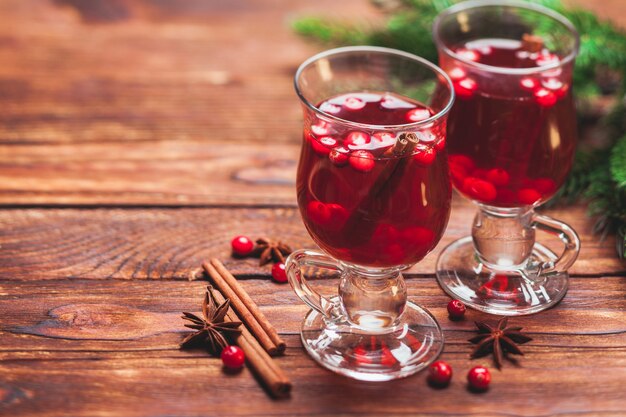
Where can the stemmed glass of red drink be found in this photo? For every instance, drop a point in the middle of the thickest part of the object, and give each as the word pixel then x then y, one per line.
pixel 511 141
pixel 374 193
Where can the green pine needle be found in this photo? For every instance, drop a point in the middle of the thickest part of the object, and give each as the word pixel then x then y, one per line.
pixel 618 163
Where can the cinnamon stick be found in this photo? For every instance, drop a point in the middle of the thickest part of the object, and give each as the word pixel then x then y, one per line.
pixel 246 308
pixel 532 43
pixel 249 302
pixel 400 154
pixel 266 369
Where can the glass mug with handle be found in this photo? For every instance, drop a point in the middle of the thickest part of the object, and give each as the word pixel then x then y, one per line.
pixel 511 143
pixel 374 193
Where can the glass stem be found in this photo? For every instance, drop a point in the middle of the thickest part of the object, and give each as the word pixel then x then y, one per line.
pixel 503 237
pixel 373 301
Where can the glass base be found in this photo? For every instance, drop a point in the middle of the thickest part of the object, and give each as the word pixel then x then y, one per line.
pixel 499 291
pixel 402 350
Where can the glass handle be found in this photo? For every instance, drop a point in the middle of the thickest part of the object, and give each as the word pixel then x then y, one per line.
pixel 294 264
pixel 567 235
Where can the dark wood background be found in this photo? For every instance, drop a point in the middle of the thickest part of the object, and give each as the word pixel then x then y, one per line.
pixel 136 139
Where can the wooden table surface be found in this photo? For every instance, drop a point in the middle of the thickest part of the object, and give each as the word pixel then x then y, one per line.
pixel 137 137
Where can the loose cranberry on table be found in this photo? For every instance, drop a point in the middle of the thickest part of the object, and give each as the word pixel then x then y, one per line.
pixel 242 245
pixel 278 272
pixel 456 309
pixel 233 357
pixel 439 373
pixel 479 378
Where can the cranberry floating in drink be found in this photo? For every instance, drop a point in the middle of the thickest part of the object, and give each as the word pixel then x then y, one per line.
pixel 511 142
pixel 374 193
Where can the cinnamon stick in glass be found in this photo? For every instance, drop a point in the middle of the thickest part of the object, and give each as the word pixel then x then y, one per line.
pixel 266 369
pixel 400 156
pixel 245 307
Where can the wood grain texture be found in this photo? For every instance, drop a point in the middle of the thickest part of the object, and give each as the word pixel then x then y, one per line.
pixel 184 173
pixel 151 102
pixel 117 118
pixel 114 372
pixel 173 243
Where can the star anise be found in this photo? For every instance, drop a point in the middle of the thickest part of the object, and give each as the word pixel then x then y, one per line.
pixel 499 340
pixel 211 330
pixel 269 250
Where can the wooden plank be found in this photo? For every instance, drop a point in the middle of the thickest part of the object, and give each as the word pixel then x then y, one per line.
pixel 113 366
pixel 182 173
pixel 172 243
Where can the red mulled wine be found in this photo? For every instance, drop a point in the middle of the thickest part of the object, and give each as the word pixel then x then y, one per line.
pixel 359 201
pixel 511 138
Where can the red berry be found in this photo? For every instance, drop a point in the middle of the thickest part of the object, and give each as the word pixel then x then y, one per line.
pixel 338 216
pixel 278 272
pixel 498 177
pixel 440 144
pixel 528 196
pixel 425 155
pixel 468 54
pixel 479 189
pixel 354 103
pixel 544 185
pixel 241 245
pixel 233 357
pixel 417 235
pixel 320 129
pixel 362 161
pixel 529 83
pixel 545 97
pixel 462 160
pixel 440 373
pixel 356 139
pixel 479 378
pixel 327 107
pixel 323 145
pixel 382 140
pixel 555 85
pixel 339 155
pixel 417 115
pixel 318 212
pixel 547 59
pixel 456 309
pixel 457 73
pixel 465 88
pixel 385 234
